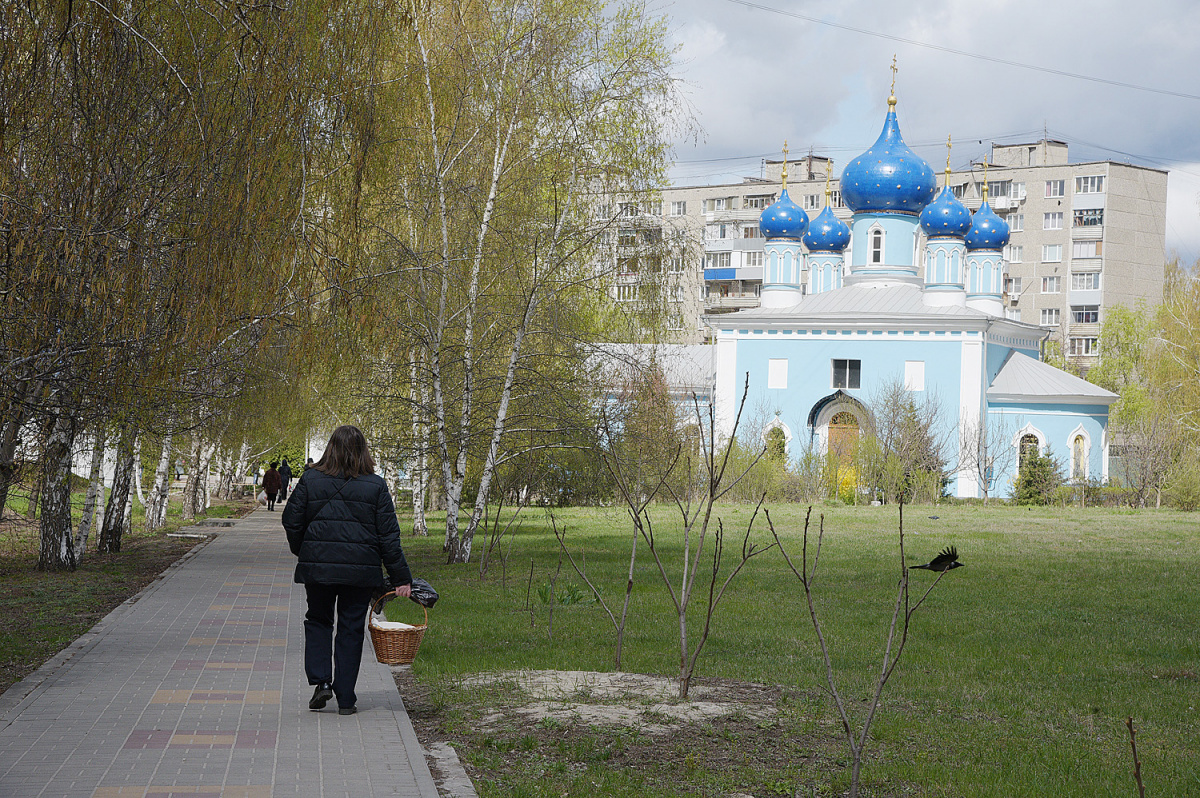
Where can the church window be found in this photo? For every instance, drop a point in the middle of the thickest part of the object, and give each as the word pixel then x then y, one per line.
pixel 777 372
pixel 847 373
pixel 1051 317
pixel 1052 221
pixel 877 246
pixel 914 375
pixel 1029 446
pixel 1055 188
pixel 1085 314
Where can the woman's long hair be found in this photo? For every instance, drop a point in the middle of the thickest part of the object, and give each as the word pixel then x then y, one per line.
pixel 347 454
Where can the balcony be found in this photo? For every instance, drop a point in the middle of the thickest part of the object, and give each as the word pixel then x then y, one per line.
pixel 724 304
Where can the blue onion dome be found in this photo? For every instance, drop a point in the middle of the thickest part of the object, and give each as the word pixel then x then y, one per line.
pixel 827 233
pixel 783 219
pixel 946 216
pixel 889 176
pixel 988 231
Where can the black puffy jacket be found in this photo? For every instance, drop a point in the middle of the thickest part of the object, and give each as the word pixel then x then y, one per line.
pixel 343 529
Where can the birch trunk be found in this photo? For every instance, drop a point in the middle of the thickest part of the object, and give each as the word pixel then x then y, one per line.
pixel 420 434
pixel 137 471
pixel 188 509
pixel 114 513
pixel 58 538
pixel 14 419
pixel 204 495
pixel 156 509
pixel 95 492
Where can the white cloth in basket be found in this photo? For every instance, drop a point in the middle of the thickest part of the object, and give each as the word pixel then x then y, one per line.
pixel 391 626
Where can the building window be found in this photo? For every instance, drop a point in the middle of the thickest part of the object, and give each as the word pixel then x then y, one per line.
pixel 626 237
pixel 1085 281
pixel 1052 285
pixel 1083 346
pixel 753 260
pixel 759 201
pixel 835 198
pixel 677 293
pixel 679 208
pixel 998 188
pixel 654 208
pixel 914 375
pixel 1085 314
pixel 675 266
pixel 629 209
pixel 1051 317
pixel 959 191
pixel 846 373
pixel 1055 188
pixel 1016 222
pixel 1085 249
pixel 1091 184
pixel 812 202
pixel 1052 221
pixel 876 246
pixel 1051 253
pixel 1012 314
pixel 1012 285
pixel 1078 461
pixel 777 372
pixel 1089 217
pixel 716 260
pixel 751 231
pixel 1013 253
pixel 1018 191
pixel 626 293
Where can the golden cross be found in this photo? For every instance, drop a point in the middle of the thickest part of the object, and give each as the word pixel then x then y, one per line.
pixel 985 178
pixel 894 71
pixel 948 146
pixel 785 154
pixel 828 169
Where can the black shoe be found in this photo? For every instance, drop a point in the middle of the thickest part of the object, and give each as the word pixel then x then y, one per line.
pixel 347 710
pixel 321 696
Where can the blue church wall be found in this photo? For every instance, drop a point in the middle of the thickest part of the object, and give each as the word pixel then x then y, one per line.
pixel 1056 426
pixel 899 240
pixel 882 355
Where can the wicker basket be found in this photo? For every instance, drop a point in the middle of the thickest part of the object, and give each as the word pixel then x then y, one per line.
pixel 396 646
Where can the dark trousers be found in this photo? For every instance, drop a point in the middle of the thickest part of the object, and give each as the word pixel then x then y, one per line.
pixel 351 604
pixel 270 500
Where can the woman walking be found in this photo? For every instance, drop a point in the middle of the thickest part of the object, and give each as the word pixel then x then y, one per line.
pixel 271 483
pixel 341 523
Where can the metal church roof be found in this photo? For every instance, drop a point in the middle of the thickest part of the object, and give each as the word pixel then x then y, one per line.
pixel 1023 379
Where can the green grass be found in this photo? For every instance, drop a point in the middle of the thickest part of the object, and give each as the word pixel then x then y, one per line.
pixel 1017 680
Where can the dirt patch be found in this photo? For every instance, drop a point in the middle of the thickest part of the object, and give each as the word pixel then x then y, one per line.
pixel 549 732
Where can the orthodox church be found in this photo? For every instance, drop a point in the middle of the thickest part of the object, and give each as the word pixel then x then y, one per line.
pixel 829 334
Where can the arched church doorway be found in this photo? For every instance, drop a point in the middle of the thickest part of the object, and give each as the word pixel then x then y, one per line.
pixel 843 436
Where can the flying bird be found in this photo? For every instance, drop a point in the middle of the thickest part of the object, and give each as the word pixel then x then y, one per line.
pixel 943 562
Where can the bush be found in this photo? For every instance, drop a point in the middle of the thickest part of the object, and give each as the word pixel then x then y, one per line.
pixel 1183 483
pixel 1038 478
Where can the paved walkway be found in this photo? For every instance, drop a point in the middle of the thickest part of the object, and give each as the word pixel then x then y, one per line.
pixel 196 687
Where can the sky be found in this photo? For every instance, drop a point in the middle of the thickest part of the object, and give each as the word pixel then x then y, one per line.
pixel 1115 80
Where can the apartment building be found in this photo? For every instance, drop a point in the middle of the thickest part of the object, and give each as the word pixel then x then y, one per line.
pixel 1084 237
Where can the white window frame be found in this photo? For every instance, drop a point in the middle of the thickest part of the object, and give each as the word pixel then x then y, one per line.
pixel 877 242
pixel 1055 188
pixel 777 373
pixel 812 202
pixel 1080 314
pixel 1089 184
pixel 1014 253
pixel 1084 346
pixel 1052 220
pixel 1092 248
pixel 1052 253
pixel 914 375
pixel 1052 284
pixel 1051 317
pixel 679 207
pixel 1085 281
pixel 1016 222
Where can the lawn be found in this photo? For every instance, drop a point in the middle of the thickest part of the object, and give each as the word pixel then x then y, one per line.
pixel 1017 680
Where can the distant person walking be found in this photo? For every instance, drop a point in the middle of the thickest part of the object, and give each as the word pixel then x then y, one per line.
pixel 285 476
pixel 271 484
pixel 341 524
